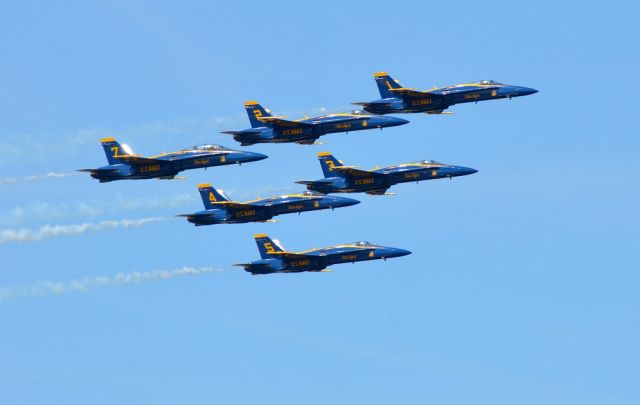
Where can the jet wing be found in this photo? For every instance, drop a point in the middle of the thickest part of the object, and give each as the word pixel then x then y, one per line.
pixel 139 160
pixel 232 204
pixel 415 93
pixel 351 170
pixel 282 122
pixel 290 255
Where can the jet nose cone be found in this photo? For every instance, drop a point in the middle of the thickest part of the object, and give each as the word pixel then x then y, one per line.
pixel 395 121
pixel 526 91
pixel 400 252
pixel 254 157
pixel 464 171
pixel 345 202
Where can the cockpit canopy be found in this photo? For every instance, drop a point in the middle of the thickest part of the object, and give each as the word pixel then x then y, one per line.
pixel 430 163
pixel 209 147
pixel 311 193
pixel 488 82
pixel 363 243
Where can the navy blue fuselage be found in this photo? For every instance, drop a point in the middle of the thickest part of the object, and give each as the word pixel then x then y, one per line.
pixel 398 99
pixel 269 129
pixel 276 260
pixel 124 165
pixel 220 210
pixel 346 179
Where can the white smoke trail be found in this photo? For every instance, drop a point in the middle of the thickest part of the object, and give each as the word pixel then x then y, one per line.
pixel 45 146
pixel 41 211
pixel 41 288
pixel 52 231
pixel 39 177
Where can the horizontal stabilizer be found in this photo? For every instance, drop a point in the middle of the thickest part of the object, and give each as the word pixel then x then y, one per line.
pixel 306 182
pixel 369 104
pixel 105 171
pixel 246 131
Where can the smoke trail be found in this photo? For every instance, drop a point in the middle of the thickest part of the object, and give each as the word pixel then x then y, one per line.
pixel 52 231
pixel 41 288
pixel 43 211
pixel 40 177
pixel 45 146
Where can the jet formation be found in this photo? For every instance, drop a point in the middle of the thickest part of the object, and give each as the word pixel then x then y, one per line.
pixel 124 164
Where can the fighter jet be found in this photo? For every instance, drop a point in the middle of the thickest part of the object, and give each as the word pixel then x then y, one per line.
pixel 266 128
pixel 274 259
pixel 220 210
pixel 348 179
pixel 398 99
pixel 125 165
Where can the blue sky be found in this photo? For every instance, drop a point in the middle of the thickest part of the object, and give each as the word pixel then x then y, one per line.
pixel 522 287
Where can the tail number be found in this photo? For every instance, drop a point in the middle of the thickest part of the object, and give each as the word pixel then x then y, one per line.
pixel 269 247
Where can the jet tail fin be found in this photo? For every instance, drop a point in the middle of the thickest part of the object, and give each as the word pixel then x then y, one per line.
pixel 328 162
pixel 114 150
pixel 255 111
pixel 385 84
pixel 267 246
pixel 210 195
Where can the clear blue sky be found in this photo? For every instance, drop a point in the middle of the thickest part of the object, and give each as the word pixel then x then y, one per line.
pixel 523 285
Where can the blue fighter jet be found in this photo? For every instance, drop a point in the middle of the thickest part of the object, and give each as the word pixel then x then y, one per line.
pixel 394 98
pixel 125 165
pixel 265 128
pixel 348 179
pixel 274 259
pixel 220 210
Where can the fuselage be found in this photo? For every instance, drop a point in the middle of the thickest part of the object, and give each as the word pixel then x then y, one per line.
pixel 383 178
pixel 320 259
pixel 310 129
pixel 440 99
pixel 267 208
pixel 169 165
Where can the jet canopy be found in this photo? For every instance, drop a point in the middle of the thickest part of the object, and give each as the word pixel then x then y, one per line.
pixel 311 193
pixel 363 243
pixel 430 163
pixel 488 82
pixel 205 148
